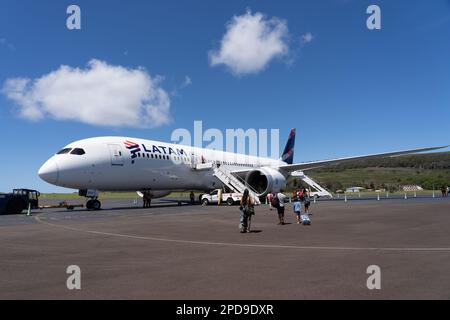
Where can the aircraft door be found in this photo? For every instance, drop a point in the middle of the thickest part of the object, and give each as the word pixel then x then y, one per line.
pixel 116 154
pixel 193 161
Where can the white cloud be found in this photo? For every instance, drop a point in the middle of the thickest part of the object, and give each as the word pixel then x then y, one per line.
pixel 187 82
pixel 250 43
pixel 101 94
pixel 307 37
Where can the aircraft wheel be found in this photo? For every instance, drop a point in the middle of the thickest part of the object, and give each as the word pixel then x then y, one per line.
pixel 89 204
pixel 96 205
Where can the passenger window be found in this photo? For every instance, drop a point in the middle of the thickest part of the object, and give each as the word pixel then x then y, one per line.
pixel 63 151
pixel 78 151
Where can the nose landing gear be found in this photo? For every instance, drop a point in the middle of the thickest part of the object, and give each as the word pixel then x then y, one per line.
pixel 93 203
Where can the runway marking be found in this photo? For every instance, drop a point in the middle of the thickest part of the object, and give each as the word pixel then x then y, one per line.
pixel 230 244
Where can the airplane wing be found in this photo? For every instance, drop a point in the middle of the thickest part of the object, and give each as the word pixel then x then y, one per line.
pixel 323 163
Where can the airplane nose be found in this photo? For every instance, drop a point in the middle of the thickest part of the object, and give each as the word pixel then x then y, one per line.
pixel 49 171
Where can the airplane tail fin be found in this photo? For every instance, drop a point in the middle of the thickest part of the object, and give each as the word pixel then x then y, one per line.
pixel 288 153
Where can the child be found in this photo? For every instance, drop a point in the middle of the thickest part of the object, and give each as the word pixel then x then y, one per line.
pixel 297 209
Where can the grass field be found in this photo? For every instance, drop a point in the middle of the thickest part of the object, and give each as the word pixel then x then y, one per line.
pixel 373 194
pixel 381 177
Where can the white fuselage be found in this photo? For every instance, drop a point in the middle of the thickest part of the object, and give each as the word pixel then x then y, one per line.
pixel 130 164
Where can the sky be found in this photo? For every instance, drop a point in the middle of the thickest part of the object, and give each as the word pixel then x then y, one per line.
pixel 145 68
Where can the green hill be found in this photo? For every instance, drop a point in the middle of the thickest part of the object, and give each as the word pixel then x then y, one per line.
pixel 429 170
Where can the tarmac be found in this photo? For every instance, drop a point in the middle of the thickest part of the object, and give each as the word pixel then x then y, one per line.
pixel 193 252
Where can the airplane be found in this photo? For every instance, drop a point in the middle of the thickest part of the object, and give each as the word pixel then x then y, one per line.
pixel 131 164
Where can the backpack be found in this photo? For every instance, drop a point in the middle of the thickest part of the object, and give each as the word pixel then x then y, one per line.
pixel 275 202
pixel 305 220
pixel 248 207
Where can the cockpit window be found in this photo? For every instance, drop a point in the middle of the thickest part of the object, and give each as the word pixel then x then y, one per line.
pixel 78 151
pixel 63 151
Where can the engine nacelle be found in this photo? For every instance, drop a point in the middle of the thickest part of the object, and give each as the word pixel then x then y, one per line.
pixel 155 193
pixel 265 180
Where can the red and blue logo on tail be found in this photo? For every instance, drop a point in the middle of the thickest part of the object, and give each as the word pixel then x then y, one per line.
pixel 288 153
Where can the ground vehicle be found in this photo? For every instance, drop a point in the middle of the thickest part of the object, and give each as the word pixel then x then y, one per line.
pixel 18 200
pixel 213 197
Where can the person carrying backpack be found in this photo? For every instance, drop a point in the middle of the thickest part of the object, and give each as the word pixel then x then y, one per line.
pixel 247 208
pixel 278 203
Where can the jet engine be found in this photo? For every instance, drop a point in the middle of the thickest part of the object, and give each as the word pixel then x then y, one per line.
pixel 265 180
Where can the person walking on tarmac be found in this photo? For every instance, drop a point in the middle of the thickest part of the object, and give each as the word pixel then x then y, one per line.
pixel 306 201
pixel 247 210
pixel 444 190
pixel 192 197
pixel 147 199
pixel 297 206
pixel 269 199
pixel 278 202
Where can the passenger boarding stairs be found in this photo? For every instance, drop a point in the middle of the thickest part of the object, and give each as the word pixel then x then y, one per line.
pixel 321 191
pixel 234 182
